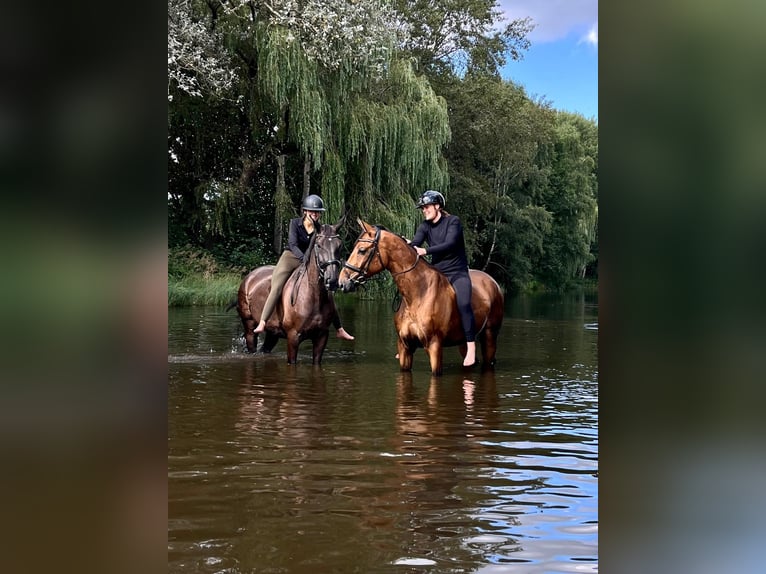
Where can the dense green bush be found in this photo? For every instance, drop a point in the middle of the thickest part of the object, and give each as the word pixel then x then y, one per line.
pixel 243 255
pixel 187 261
pixel 195 277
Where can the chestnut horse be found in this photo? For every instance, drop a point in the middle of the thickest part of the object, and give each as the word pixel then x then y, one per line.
pixel 428 316
pixel 306 308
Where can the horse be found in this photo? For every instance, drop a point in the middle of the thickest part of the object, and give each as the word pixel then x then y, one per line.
pixel 306 308
pixel 428 316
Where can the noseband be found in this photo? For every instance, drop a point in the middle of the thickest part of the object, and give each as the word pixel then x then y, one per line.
pixel 361 276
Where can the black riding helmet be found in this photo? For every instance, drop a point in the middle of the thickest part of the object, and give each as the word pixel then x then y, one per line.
pixel 430 196
pixel 313 203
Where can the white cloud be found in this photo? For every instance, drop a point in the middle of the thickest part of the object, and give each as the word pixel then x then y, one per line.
pixel 591 37
pixel 555 19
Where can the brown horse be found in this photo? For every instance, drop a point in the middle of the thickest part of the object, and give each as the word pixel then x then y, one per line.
pixel 306 308
pixel 428 316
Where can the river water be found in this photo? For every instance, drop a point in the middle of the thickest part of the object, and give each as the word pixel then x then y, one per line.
pixel 353 466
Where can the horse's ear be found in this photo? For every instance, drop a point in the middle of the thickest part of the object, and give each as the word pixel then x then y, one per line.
pixel 340 222
pixel 362 224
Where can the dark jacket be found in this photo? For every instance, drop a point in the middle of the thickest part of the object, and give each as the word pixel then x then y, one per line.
pixel 298 238
pixel 446 244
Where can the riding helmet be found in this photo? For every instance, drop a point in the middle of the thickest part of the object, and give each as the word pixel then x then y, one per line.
pixel 313 203
pixel 430 196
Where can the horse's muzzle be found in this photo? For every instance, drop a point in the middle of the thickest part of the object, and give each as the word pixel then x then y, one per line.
pixel 331 284
pixel 347 285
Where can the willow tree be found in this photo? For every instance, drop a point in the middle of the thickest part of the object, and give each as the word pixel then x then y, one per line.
pixel 197 60
pixel 325 86
pixel 388 148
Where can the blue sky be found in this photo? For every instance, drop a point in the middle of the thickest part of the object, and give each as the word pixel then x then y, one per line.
pixel 561 66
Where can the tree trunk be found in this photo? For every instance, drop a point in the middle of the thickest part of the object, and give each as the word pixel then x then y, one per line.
pixel 306 175
pixel 280 192
pixel 492 246
pixel 494 229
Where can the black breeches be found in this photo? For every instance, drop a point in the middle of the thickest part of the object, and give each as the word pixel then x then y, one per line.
pixel 335 318
pixel 462 284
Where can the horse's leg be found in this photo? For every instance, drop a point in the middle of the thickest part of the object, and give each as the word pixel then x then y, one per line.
pixel 293 340
pixel 269 341
pixel 250 337
pixel 320 342
pixel 488 340
pixel 405 356
pixel 434 350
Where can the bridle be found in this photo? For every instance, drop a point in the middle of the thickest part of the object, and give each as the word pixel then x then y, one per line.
pixel 323 265
pixel 361 276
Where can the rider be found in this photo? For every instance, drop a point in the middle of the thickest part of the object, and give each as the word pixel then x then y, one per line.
pixel 299 237
pixel 444 234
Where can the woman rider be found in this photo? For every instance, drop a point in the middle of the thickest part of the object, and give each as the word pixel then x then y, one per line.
pixel 444 234
pixel 299 237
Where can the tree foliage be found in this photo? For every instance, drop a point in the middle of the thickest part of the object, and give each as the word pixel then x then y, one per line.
pixel 498 176
pixel 571 196
pixel 454 36
pixel 368 103
pixel 197 60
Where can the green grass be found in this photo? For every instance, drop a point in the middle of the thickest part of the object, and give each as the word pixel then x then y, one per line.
pixel 220 289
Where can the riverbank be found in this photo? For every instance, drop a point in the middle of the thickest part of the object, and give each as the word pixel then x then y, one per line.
pixel 221 289
pixel 193 290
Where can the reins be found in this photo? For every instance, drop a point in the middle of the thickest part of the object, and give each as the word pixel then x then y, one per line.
pixel 410 268
pixel 321 265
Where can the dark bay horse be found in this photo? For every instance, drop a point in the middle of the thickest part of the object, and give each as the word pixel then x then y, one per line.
pixel 428 316
pixel 306 308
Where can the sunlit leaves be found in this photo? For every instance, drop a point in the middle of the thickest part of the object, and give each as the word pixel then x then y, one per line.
pixel 333 33
pixel 461 35
pixel 197 61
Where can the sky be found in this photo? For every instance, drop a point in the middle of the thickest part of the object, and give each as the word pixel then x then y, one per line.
pixel 561 65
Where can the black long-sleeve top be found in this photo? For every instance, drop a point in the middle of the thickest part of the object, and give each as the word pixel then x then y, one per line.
pixel 446 243
pixel 298 238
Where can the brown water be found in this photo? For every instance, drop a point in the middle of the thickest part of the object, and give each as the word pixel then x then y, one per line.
pixel 356 467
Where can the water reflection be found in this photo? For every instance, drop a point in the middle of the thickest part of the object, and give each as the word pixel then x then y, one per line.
pixel 354 466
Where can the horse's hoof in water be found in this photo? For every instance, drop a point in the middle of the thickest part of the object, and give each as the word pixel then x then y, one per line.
pixel 469 366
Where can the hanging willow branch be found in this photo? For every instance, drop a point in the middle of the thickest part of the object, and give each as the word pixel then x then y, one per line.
pixel 373 129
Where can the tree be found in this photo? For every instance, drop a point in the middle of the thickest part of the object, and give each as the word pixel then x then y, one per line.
pixel 367 106
pixel 457 36
pixel 571 197
pixel 497 176
pixel 320 87
pixel 197 60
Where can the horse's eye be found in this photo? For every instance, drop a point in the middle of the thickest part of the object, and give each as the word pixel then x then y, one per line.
pixel 361 251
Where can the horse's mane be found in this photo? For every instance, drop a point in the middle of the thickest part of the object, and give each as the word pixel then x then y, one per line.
pixel 307 254
pixel 407 243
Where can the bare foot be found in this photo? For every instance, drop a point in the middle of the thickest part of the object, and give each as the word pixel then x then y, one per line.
pixel 260 328
pixel 342 334
pixel 470 355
